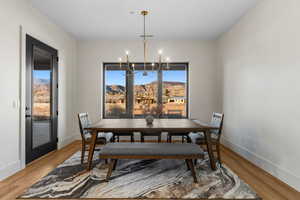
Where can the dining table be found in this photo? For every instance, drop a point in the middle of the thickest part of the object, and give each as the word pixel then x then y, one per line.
pixel 158 125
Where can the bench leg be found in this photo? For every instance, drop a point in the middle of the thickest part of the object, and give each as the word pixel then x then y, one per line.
pixel 187 164
pixel 110 169
pixel 191 165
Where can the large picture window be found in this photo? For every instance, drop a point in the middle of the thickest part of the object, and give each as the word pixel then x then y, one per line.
pixel 162 91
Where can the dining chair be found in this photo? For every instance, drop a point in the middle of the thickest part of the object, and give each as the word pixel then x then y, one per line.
pixel 183 135
pixel 84 122
pixel 146 134
pixel 118 134
pixel 199 138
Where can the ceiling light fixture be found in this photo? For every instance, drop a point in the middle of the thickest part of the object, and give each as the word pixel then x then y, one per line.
pixel 131 67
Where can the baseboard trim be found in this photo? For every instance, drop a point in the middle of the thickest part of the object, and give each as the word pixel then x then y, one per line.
pixel 10 169
pixel 264 164
pixel 65 141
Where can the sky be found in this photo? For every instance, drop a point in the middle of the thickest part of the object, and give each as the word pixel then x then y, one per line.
pixel 118 77
pixel 41 74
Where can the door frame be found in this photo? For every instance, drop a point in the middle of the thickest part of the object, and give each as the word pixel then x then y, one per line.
pixel 21 101
pixel 52 145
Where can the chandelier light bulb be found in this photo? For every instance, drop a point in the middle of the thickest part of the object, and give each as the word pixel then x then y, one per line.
pixel 152 64
pixel 120 59
pixel 168 59
pixel 160 52
pixel 127 52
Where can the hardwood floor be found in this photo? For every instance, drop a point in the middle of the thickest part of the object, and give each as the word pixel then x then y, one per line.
pixel 268 187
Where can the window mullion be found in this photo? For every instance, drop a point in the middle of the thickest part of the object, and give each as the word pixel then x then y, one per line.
pixel 129 93
pixel 159 91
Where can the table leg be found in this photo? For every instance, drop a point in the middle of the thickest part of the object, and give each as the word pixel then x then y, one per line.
pixel 210 150
pixel 110 169
pixel 192 168
pixel 92 149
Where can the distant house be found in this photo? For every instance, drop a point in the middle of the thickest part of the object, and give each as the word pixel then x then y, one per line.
pixel 177 100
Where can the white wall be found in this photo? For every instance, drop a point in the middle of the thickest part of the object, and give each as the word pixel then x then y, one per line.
pixel 14 13
pixel 201 55
pixel 260 58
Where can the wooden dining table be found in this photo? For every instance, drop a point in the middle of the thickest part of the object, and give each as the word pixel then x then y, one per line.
pixel 140 125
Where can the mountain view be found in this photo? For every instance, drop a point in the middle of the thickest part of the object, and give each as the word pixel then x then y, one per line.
pixel 145 98
pixel 41 98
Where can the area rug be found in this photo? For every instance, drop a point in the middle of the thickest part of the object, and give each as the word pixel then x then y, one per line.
pixel 159 179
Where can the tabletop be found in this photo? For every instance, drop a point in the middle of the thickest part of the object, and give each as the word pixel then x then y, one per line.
pixel 162 125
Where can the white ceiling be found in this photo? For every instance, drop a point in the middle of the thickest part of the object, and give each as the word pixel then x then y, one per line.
pixel 168 19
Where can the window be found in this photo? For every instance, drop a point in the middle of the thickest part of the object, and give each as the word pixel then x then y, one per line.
pixel 145 93
pixel 174 93
pixel 115 93
pixel 163 92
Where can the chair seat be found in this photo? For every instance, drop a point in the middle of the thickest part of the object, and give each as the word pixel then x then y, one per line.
pixel 102 138
pixel 123 134
pixel 199 138
pixel 178 134
pixel 151 134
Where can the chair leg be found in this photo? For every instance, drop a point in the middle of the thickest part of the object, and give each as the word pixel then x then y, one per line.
pixel 115 164
pixel 195 162
pixel 118 138
pixel 187 164
pixel 159 139
pixel 131 138
pixel 169 139
pixel 82 152
pixel 182 139
pixel 188 139
pixel 219 153
pixel 111 139
pixel 142 138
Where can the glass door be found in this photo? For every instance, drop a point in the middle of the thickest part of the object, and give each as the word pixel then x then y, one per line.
pixel 41 99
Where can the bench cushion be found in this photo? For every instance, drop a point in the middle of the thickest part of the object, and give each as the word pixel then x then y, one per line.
pixel 150 149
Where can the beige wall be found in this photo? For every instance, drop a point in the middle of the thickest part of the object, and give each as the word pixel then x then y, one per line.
pixel 260 60
pixel 13 14
pixel 201 55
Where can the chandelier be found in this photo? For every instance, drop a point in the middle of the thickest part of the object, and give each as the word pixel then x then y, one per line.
pixel 131 66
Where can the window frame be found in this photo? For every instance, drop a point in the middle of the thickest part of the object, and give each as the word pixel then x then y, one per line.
pixel 130 83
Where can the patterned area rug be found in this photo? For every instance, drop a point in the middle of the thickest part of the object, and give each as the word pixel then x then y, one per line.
pixel 140 179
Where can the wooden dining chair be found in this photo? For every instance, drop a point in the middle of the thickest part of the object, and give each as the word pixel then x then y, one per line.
pixel 84 122
pixel 199 138
pixel 118 134
pixel 183 135
pixel 146 134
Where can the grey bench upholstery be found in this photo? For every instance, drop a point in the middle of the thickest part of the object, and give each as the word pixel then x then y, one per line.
pixel 115 151
pixel 151 149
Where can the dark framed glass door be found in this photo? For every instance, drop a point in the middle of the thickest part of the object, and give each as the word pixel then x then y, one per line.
pixel 41 99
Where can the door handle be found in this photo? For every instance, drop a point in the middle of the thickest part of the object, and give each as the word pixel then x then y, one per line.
pixel 27 115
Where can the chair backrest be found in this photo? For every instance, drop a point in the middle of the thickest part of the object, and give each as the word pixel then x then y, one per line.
pixel 84 122
pixel 217 120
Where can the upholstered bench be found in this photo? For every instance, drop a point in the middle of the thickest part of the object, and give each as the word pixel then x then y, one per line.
pixel 115 151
